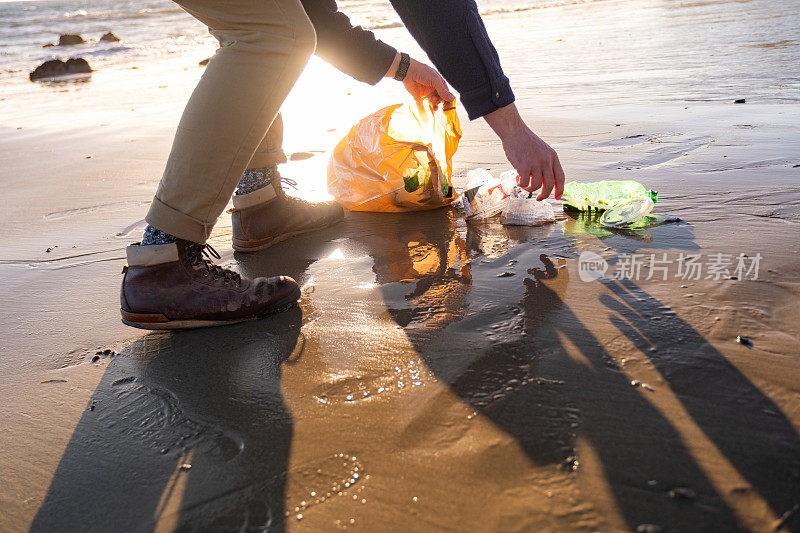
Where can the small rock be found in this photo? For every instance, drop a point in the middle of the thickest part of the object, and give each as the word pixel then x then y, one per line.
pixel 186 466
pixel 796 166
pixel 744 341
pixel 48 250
pixel 88 157
pixel 739 101
pixel 204 62
pixel 637 383
pixel 682 493
pixel 648 528
pixel 53 381
pixel 300 156
pixel 70 39
pixel 109 38
pixel 56 67
pixel 95 359
pixel 505 274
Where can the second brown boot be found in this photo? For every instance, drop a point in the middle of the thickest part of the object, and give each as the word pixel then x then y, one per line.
pixel 267 216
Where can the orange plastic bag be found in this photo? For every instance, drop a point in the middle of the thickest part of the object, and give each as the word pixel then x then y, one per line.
pixel 397 159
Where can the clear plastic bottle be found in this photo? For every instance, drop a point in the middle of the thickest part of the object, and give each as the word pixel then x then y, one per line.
pixel 606 192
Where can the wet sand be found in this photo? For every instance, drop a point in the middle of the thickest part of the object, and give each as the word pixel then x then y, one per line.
pixel 413 388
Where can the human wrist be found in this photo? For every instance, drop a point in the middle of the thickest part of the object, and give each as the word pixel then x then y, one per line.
pixel 393 67
pixel 505 121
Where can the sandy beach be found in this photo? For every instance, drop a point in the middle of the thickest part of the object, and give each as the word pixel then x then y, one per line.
pixel 437 375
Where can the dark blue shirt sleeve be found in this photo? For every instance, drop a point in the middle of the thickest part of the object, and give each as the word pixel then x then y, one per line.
pixel 453 35
pixel 353 50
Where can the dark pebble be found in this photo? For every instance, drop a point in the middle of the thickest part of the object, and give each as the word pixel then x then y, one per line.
pixel 682 493
pixel 95 359
pixel 505 274
pixel 648 528
pixel 739 101
pixel 744 341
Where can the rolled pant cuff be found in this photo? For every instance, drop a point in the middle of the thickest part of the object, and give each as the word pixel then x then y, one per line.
pixel 181 225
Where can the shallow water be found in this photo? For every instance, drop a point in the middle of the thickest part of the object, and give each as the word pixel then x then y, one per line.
pixel 597 51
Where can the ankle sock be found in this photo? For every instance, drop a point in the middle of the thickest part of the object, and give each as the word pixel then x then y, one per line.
pixel 254 179
pixel 156 236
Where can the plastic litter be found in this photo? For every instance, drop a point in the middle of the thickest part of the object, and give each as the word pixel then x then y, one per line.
pixel 477 177
pixel 527 212
pixel 627 213
pixel 608 193
pixel 486 196
pixel 397 159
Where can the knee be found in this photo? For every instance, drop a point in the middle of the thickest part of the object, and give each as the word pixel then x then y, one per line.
pixel 305 37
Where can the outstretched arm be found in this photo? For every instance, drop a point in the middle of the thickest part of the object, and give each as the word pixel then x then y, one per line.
pixel 357 52
pixel 453 35
pixel 353 50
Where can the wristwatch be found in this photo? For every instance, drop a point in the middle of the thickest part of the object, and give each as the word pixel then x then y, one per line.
pixel 402 68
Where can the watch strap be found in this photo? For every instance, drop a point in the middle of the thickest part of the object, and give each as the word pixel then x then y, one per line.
pixel 402 68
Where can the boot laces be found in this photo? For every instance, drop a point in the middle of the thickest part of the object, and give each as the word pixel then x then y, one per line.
pixel 298 202
pixel 203 256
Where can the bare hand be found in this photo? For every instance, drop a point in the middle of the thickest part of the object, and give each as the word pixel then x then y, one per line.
pixel 534 160
pixel 422 81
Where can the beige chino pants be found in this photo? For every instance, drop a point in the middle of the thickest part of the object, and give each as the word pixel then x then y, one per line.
pixel 264 45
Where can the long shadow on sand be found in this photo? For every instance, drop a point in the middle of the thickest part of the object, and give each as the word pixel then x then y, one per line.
pixel 520 376
pixel 186 430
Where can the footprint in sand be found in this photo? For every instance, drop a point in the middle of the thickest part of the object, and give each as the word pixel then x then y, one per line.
pixel 154 416
pixel 339 476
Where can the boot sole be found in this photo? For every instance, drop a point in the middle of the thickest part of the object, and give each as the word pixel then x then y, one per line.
pixel 255 246
pixel 158 321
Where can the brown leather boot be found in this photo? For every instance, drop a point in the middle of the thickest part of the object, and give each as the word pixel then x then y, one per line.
pixel 268 216
pixel 173 286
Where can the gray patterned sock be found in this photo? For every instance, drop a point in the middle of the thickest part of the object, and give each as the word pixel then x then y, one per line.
pixel 156 236
pixel 254 179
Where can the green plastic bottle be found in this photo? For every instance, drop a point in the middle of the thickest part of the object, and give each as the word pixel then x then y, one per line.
pixel 606 192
